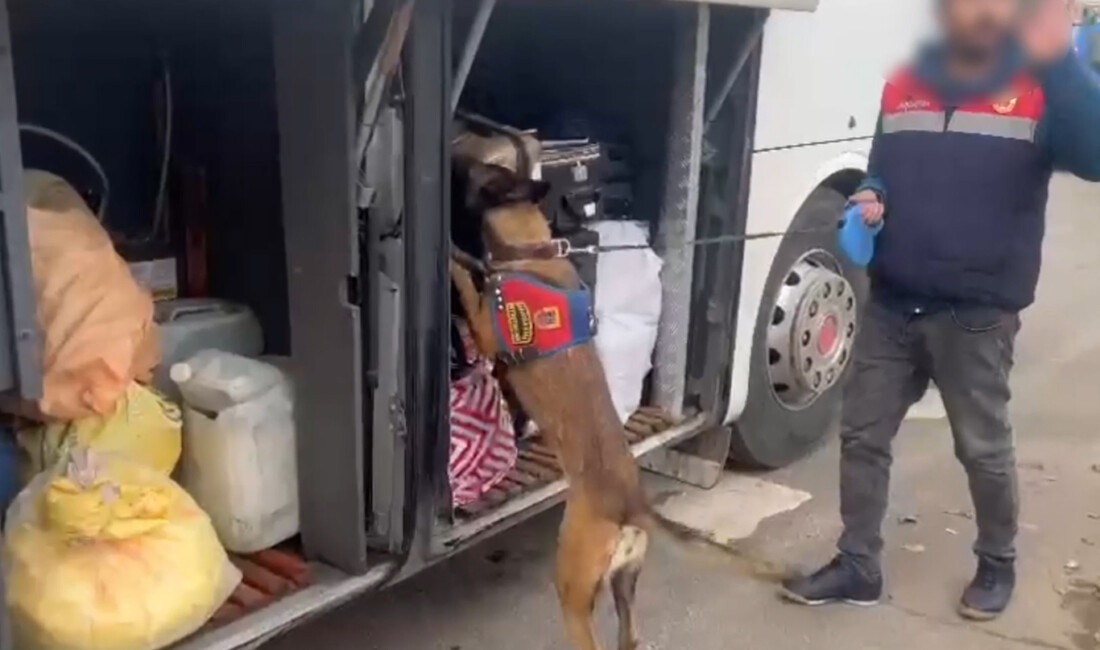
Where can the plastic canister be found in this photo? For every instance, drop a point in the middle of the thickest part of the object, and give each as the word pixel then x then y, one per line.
pixel 239 456
pixel 214 380
pixel 189 325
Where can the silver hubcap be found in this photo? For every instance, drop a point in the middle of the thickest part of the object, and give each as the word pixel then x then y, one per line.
pixel 812 328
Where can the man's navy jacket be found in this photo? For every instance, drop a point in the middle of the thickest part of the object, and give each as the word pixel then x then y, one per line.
pixel 964 170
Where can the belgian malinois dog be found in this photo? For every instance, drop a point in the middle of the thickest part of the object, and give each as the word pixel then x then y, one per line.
pixel 605 531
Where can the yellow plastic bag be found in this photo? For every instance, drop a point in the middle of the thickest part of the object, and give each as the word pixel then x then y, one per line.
pixel 96 322
pixel 143 426
pixel 105 554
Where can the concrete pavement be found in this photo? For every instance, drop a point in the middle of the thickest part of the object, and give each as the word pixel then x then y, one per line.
pixel 702 597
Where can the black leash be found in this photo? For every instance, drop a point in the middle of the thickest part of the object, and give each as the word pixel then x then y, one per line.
pixel 561 248
pixel 568 249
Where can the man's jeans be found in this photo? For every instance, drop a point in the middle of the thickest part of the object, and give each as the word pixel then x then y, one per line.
pixel 968 354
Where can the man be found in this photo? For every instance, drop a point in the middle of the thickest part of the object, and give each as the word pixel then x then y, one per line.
pixel 960 167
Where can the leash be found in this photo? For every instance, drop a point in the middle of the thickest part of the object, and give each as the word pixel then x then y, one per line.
pixel 856 240
pixel 561 248
pixel 567 249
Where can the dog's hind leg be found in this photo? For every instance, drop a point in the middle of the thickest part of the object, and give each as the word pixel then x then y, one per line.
pixel 585 548
pixel 622 578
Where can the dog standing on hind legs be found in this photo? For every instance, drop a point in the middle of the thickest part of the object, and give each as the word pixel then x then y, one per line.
pixel 605 530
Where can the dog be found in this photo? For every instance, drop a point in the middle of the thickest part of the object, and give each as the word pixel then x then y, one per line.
pixel 608 519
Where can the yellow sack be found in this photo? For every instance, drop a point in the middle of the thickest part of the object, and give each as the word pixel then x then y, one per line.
pixel 143 426
pixel 105 554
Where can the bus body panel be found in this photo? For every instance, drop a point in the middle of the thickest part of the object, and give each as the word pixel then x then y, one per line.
pixel 821 79
pixel 782 180
pixel 821 74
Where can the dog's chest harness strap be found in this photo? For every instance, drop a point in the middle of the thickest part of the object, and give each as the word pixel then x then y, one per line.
pixel 533 319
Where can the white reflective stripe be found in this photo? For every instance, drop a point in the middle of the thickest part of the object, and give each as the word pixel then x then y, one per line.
pixel 933 121
pixel 999 126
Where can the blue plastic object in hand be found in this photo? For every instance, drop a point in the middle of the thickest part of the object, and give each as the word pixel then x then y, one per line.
pixel 857 239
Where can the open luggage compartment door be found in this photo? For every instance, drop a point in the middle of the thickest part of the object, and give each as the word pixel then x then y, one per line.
pixel 20 373
pixel 313 59
pixel 796 5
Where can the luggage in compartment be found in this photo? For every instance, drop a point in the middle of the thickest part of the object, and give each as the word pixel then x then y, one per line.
pixel 482 435
pixel 142 427
pixel 587 185
pixel 188 325
pixel 96 322
pixel 239 459
pixel 574 171
pixel 628 307
pixel 589 181
pixel 105 554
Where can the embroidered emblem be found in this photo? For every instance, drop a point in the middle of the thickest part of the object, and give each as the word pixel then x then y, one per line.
pixel 520 326
pixel 548 318
pixel 914 104
pixel 533 319
pixel 1006 106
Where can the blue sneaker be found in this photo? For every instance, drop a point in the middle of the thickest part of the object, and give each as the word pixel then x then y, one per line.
pixel 991 590
pixel 836 582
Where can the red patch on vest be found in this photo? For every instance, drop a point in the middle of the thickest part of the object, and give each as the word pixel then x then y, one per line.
pixel 904 93
pixel 530 315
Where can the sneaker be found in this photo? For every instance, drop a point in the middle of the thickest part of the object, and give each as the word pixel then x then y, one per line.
pixel 990 592
pixel 838 581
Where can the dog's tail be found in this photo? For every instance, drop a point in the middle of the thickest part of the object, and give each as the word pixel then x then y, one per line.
pixel 652 520
pixel 759 567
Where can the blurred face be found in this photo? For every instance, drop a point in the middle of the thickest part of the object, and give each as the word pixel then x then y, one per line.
pixel 978 28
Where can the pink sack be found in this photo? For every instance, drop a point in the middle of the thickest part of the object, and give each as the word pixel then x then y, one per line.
pixel 483 440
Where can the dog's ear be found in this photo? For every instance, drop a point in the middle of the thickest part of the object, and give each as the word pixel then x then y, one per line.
pixel 537 191
pixel 506 188
pixel 492 186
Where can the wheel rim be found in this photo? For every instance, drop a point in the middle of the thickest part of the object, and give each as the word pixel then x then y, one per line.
pixel 811 330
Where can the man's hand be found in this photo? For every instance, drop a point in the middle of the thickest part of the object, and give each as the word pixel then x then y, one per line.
pixel 870 206
pixel 1047 30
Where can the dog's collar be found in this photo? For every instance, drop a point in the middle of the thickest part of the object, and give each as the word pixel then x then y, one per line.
pixel 533 319
pixel 552 249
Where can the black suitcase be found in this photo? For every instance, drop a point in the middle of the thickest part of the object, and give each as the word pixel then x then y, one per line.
pixel 575 172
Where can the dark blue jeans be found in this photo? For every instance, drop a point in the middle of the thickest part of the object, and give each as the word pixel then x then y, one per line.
pixel 968 354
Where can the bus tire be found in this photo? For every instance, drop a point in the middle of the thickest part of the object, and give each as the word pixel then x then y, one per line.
pixel 802 342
